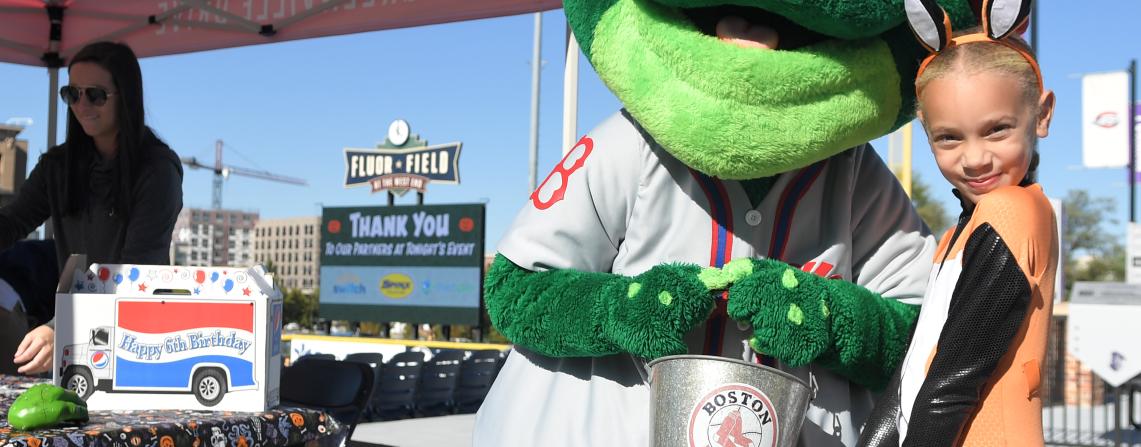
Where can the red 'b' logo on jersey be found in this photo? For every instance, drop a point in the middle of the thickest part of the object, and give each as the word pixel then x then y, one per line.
pixel 552 190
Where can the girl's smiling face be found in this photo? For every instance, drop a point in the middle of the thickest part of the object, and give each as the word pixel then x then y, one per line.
pixel 982 129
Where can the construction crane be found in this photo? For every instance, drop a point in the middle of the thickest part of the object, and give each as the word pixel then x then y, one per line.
pixel 221 172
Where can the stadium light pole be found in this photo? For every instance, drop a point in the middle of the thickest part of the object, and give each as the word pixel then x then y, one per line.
pixel 535 62
pixel 1132 129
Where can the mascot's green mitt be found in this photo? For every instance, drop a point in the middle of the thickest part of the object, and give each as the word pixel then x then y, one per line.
pixel 800 317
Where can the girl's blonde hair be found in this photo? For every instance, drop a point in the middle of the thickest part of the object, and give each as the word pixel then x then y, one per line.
pixel 980 57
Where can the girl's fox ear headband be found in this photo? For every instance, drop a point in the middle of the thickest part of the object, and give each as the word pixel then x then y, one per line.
pixel 1000 18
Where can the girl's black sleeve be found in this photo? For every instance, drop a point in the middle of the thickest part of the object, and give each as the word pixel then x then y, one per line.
pixel 988 306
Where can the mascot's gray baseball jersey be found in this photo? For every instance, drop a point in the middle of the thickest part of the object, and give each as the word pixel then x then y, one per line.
pixel 619 203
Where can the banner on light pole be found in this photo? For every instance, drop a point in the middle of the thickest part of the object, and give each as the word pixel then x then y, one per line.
pixel 1105 118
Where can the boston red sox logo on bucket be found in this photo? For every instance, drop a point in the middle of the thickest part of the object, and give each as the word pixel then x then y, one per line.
pixel 733 415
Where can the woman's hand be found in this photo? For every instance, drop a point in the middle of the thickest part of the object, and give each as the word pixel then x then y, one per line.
pixel 36 350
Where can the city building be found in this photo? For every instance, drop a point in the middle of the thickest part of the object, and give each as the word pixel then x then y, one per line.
pixel 207 237
pixel 13 162
pixel 292 246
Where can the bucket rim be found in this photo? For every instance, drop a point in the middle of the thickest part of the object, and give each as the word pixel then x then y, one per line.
pixel 770 369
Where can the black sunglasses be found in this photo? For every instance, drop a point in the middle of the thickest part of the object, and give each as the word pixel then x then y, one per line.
pixel 97 96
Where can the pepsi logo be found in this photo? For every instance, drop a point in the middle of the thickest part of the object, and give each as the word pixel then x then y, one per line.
pixel 100 359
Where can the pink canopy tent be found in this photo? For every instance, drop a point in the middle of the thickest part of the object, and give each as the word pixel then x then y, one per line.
pixel 47 32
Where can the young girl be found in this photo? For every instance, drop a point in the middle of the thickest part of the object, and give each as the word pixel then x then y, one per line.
pixel 112 190
pixel 972 371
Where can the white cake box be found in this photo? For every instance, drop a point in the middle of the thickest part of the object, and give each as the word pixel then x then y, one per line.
pixel 139 337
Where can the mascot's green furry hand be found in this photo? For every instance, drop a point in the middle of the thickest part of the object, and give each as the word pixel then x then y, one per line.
pixel 46 405
pixel 570 313
pixel 799 318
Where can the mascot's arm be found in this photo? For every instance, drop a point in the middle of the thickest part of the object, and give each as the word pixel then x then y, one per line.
pixel 571 313
pixel 800 317
pixel 858 331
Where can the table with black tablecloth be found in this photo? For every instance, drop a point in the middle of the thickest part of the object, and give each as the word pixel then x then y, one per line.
pixel 285 426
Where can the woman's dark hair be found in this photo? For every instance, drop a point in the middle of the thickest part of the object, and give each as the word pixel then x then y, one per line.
pixel 134 137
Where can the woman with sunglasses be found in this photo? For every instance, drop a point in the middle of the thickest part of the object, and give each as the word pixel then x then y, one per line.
pixel 112 190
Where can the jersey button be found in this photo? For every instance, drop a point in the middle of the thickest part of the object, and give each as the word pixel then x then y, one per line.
pixel 753 217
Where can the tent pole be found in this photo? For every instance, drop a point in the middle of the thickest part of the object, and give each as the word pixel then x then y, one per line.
pixel 570 93
pixel 535 62
pixel 53 115
pixel 53 104
pixel 53 61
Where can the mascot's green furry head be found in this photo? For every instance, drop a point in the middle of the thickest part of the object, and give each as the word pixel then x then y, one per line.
pixel 842 74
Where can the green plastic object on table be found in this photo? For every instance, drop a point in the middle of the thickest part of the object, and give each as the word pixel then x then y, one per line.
pixel 46 405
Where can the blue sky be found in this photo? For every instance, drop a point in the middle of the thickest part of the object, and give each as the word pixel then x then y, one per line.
pixel 291 107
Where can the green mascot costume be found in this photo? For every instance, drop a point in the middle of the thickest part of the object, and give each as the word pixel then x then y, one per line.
pixel 732 208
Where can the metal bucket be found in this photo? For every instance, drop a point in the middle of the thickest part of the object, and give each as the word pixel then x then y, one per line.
pixel 703 401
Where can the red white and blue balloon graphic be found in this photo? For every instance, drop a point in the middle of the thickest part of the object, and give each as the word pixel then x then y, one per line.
pixel 199 280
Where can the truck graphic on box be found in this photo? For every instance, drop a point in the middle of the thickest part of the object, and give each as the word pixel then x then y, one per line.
pixel 161 337
pixel 166 345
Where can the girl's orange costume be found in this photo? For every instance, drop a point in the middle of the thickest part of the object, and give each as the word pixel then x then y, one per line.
pixel 973 368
